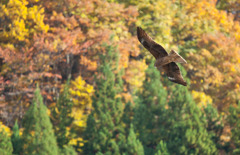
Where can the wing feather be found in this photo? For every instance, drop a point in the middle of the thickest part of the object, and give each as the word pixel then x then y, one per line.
pixel 174 74
pixel 155 49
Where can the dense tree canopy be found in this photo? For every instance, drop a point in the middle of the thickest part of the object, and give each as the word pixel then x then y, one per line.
pixel 46 42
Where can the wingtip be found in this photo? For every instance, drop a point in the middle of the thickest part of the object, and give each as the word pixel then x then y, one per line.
pixel 139 29
pixel 139 33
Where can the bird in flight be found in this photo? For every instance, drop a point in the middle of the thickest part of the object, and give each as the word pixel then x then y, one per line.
pixel 164 61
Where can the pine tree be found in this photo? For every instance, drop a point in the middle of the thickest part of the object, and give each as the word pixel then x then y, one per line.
pixel 162 149
pixel 177 127
pixel 150 110
pixel 234 121
pixel 68 150
pixel 38 136
pixel 61 116
pixel 105 133
pixel 133 145
pixel 153 92
pixel 16 140
pixel 5 143
pixel 214 124
pixel 187 133
pixel 128 116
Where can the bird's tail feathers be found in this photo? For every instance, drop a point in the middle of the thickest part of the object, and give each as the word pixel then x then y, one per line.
pixel 177 57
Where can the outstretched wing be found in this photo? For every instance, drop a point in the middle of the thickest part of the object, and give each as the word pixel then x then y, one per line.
pixel 155 49
pixel 174 74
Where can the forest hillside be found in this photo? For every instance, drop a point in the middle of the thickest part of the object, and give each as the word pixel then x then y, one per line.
pixel 74 79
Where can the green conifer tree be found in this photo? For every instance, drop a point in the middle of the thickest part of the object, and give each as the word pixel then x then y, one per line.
pixel 5 143
pixel 105 133
pixel 214 124
pixel 38 136
pixel 162 149
pixel 234 121
pixel 179 124
pixel 61 116
pixel 133 145
pixel 187 132
pixel 68 150
pixel 150 110
pixel 128 116
pixel 16 140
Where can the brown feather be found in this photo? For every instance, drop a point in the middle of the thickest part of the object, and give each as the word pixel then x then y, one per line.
pixel 173 73
pixel 155 49
pixel 171 69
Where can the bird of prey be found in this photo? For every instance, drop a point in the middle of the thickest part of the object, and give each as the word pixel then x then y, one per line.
pixel 166 62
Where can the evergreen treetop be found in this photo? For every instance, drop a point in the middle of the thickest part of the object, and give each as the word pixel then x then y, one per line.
pixel 38 136
pixel 16 139
pixel 61 116
pixel 104 130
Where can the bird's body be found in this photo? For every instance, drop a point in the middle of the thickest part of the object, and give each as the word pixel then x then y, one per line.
pixel 164 61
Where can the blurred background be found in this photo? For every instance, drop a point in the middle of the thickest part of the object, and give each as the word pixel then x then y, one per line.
pixel 74 79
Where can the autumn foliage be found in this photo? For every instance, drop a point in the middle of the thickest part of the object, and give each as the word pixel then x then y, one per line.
pixel 45 42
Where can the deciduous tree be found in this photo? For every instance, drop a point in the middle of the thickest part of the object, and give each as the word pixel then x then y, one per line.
pixel 5 143
pixel 61 117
